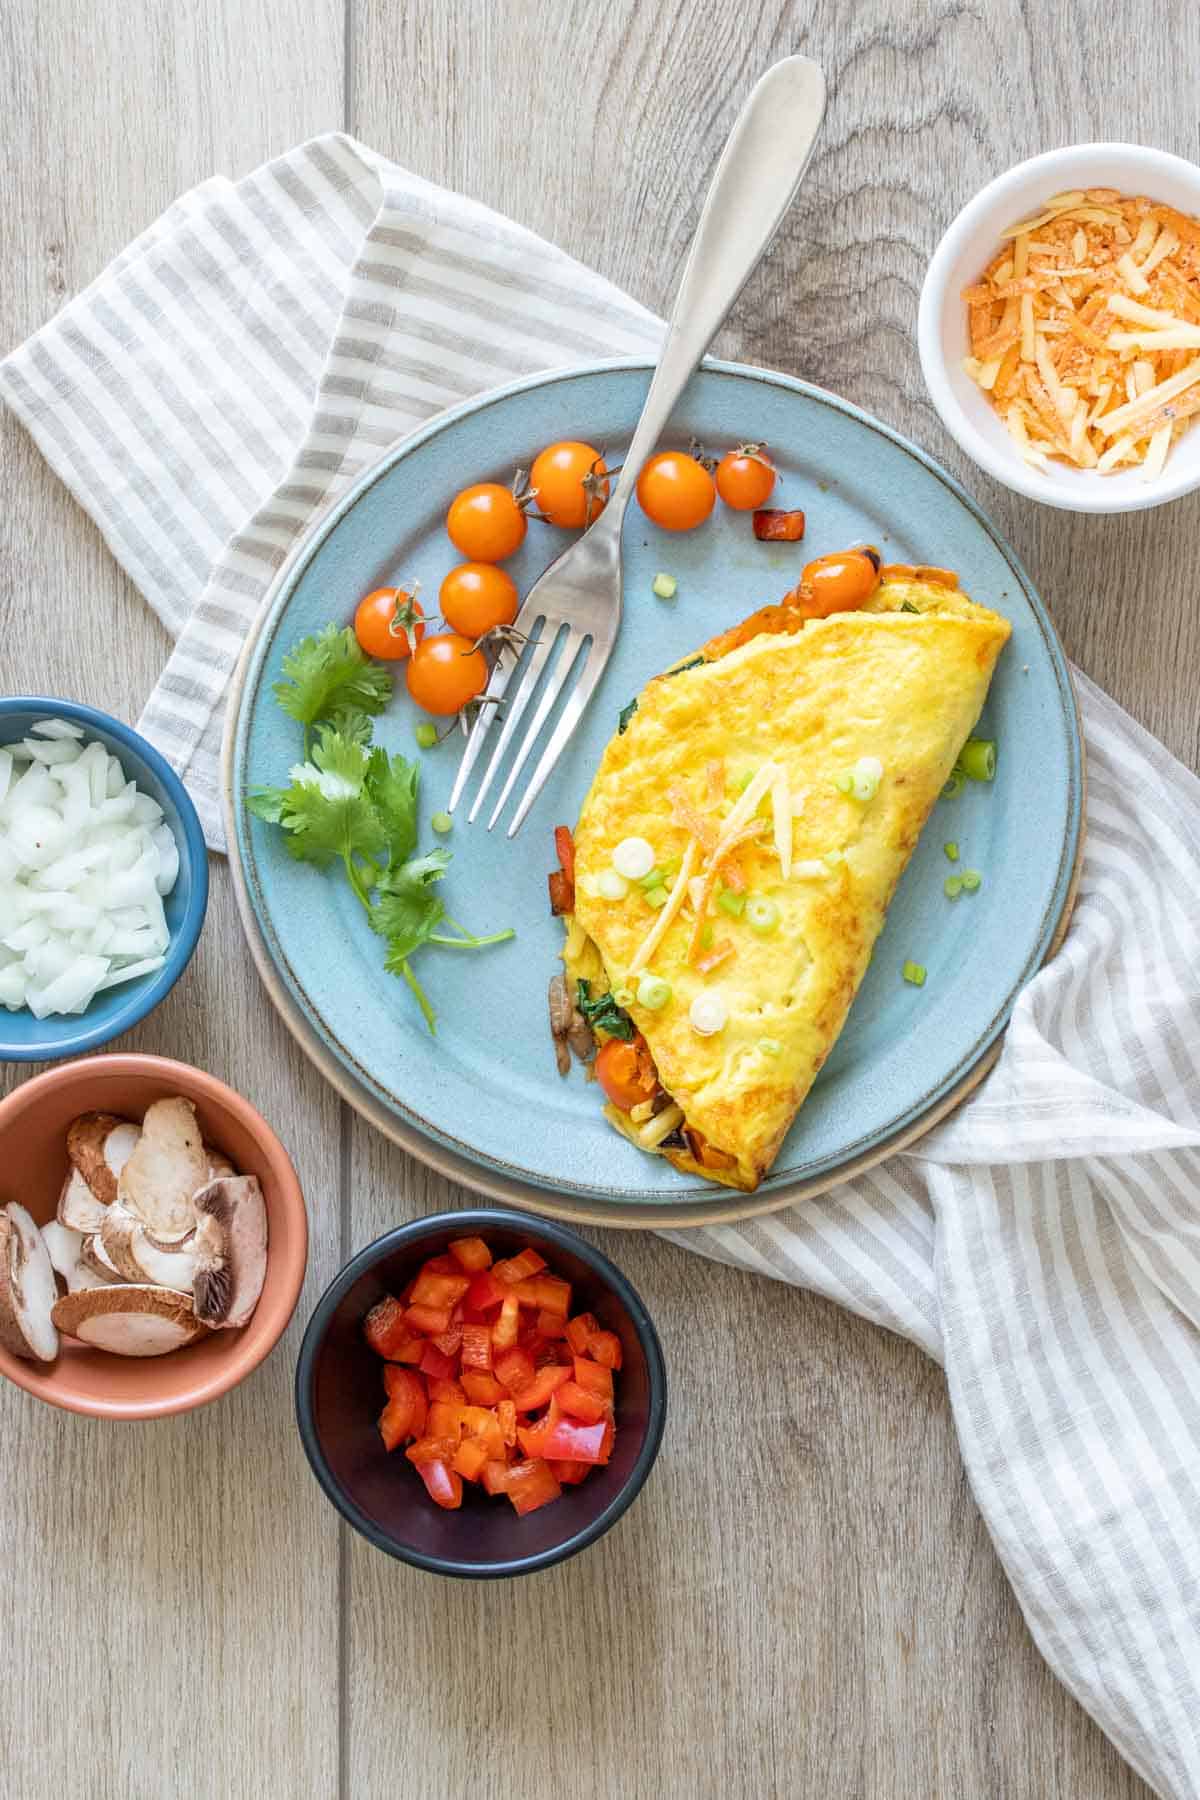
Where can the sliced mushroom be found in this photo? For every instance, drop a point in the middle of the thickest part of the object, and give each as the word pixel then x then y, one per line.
pixel 100 1144
pixel 560 1021
pixel 218 1164
pixel 27 1288
pixel 65 1250
pixel 227 1296
pixel 164 1171
pixel 130 1321
pixel 140 1257
pixel 78 1208
pixel 95 1258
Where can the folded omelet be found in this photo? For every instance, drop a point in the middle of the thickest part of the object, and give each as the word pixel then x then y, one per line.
pixel 782 785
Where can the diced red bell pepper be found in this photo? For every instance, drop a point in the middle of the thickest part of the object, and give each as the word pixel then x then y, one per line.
pixel 572 1473
pixel 432 1320
pixel 530 1485
pixel 551 1325
pixel 436 1363
pixel 563 1440
pixel 520 1267
pixel 405 1414
pixel 477 1347
pixel 545 1291
pixel 471 1254
pixel 776 525
pixel 575 1400
pixel 442 1483
pixel 506 1414
pixel 385 1329
pixel 438 1265
pixel 412 1351
pixel 432 1449
pixel 562 894
pixel 444 1387
pixel 514 1370
pixel 605 1348
pixel 449 1342
pixel 481 1422
pixel 481 1390
pixel 485 1292
pixel 445 1418
pixel 471 1459
pixel 580 1332
pixel 495 1477
pixel 504 1331
pixel 544 1383
pixel 439 1290
pixel 594 1377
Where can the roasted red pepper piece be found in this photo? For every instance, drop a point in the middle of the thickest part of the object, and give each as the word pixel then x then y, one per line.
pixel 432 1320
pixel 561 881
pixel 471 1254
pixel 477 1347
pixel 774 525
pixel 439 1290
pixel 442 1483
pixel 530 1485
pixel 385 1329
pixel 564 845
pixel 481 1390
pixel 544 1383
pixel 589 1409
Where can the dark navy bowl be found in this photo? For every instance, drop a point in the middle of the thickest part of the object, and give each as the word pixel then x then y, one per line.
pixel 339 1396
pixel 26 1039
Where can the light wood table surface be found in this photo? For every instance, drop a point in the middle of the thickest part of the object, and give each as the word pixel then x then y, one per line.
pixel 805 1601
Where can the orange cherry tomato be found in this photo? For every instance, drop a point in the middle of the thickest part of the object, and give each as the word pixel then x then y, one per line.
pixel 745 478
pixel 626 1072
pixel 387 623
pixel 560 481
pixel 676 491
pixel 486 522
pixel 445 672
pixel 838 583
pixel 476 597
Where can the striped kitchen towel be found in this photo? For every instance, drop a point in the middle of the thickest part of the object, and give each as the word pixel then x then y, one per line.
pixel 224 380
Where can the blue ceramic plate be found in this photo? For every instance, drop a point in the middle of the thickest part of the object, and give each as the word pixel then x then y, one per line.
pixel 486 1090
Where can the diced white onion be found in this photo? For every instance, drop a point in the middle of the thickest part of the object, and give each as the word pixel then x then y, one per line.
pixel 633 858
pixel 85 862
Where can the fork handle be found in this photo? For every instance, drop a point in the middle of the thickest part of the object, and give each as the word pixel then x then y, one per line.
pixel 761 167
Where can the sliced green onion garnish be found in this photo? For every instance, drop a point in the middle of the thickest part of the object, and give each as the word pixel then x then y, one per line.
pixel 865 778
pixel 955 782
pixel 733 904
pixel 656 878
pixel 762 915
pixel 665 586
pixel 653 992
pixel 441 822
pixel 844 783
pixel 952 887
pixel 971 879
pixel 425 734
pixel 951 850
pixel 907 606
pixel 623 996
pixel 706 938
pixel 670 868
pixel 978 759
pixel 656 897
pixel 743 781
pixel 914 972
pixel 610 885
pixel 770 1046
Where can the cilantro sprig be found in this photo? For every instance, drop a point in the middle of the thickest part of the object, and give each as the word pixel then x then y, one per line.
pixel 349 802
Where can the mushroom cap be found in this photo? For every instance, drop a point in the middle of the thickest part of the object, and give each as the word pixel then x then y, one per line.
pixel 228 1295
pixel 99 1144
pixel 134 1320
pixel 28 1290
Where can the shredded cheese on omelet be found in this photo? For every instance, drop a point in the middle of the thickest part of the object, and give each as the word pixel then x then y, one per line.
pixel 667 913
pixel 746 807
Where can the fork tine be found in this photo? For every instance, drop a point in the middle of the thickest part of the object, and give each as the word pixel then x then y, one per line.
pixel 553 687
pixel 495 691
pixel 515 709
pixel 585 687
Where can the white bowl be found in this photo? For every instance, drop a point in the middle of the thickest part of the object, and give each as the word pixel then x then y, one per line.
pixel 960 259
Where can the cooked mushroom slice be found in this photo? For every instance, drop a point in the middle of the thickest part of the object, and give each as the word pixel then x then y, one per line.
pixel 100 1144
pixel 228 1295
pixel 140 1257
pixel 65 1250
pixel 27 1288
pixel 95 1258
pixel 78 1208
pixel 560 1021
pixel 130 1321
pixel 166 1168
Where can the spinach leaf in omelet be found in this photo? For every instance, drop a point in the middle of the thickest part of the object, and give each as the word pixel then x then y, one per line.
pixel 626 713
pixel 603 1013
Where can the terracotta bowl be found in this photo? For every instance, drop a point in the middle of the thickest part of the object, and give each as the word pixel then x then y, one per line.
pixel 33 1162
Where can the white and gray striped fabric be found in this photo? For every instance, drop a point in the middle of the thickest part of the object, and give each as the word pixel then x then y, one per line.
pixel 224 380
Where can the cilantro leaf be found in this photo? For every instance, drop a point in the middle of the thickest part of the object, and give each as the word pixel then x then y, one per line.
pixel 329 673
pixel 351 722
pixel 392 785
pixel 326 812
pixel 408 911
pixel 603 1013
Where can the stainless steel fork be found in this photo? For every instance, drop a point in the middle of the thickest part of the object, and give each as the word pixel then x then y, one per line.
pixel 571 614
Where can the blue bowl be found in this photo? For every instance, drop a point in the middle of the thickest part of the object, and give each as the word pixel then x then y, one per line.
pixel 26 1039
